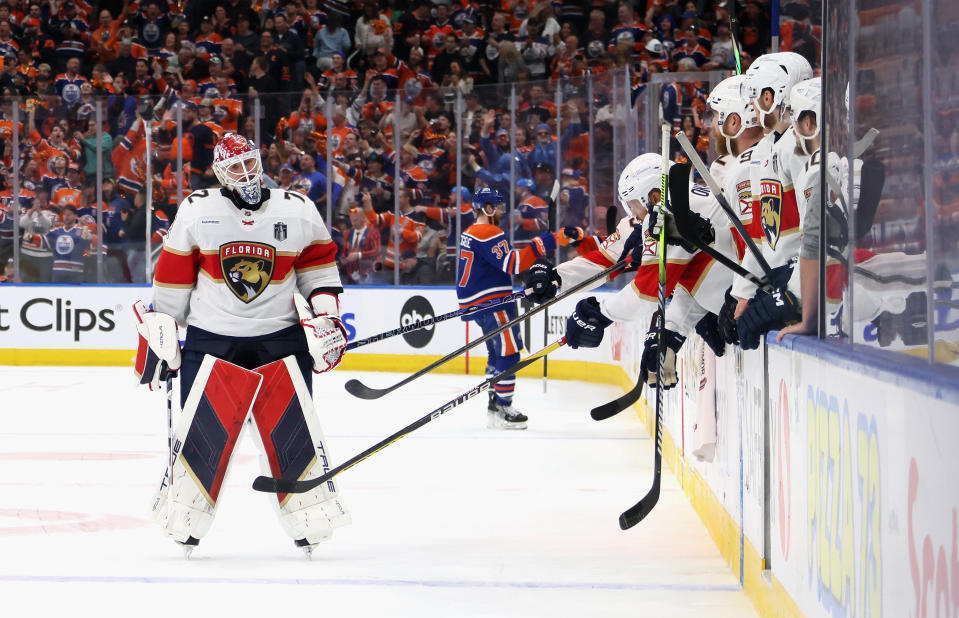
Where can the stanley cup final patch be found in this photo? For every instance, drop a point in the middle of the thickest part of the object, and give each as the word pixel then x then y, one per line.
pixel 771 209
pixel 279 231
pixel 247 268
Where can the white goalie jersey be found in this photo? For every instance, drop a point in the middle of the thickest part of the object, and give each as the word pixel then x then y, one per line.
pixel 232 270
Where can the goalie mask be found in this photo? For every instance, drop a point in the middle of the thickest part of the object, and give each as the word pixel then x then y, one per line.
pixel 640 177
pixel 236 163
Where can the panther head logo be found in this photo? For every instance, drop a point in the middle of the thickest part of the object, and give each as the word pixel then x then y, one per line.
pixel 247 268
pixel 770 212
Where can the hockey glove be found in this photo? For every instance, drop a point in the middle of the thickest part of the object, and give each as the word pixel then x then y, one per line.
pixel 700 226
pixel 542 281
pixel 726 320
pixel 708 329
pixel 158 346
pixel 570 235
pixel 650 360
pixel 325 334
pixel 767 311
pixel 585 328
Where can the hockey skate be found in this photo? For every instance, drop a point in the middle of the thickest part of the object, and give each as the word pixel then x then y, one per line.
pixel 505 416
pixel 308 547
pixel 188 546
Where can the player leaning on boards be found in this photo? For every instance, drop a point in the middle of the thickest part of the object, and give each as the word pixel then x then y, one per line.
pixel 236 270
pixel 484 273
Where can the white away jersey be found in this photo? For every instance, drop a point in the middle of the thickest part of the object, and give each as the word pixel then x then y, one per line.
pixel 233 271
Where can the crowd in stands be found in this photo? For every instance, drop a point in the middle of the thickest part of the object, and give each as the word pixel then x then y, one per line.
pixel 374 83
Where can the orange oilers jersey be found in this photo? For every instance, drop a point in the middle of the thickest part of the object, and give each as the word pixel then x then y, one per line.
pixel 233 271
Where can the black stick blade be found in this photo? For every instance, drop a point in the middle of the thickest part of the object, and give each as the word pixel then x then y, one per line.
pixel 269 484
pixel 611 409
pixel 358 389
pixel 638 512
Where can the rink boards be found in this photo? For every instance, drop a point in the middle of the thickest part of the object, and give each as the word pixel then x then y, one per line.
pixel 830 491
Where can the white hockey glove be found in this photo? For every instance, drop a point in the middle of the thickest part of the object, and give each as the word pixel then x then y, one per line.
pixel 325 334
pixel 158 346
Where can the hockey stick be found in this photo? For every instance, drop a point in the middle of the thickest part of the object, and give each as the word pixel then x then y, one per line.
pixel 169 424
pixel 439 318
pixel 717 192
pixel 293 486
pixel 358 389
pixel 636 513
pixel 733 23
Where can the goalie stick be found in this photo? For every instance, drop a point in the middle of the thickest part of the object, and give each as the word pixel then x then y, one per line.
pixel 636 513
pixel 436 319
pixel 358 389
pixel 293 486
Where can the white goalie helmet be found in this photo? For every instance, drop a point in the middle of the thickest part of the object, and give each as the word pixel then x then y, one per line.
pixel 639 178
pixel 236 163
pixel 725 100
pixel 778 72
pixel 805 98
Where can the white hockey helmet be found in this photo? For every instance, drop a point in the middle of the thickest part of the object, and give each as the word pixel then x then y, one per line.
pixel 777 72
pixel 236 163
pixel 725 100
pixel 639 178
pixel 805 97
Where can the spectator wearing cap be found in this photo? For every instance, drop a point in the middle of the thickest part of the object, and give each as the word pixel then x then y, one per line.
pixel 531 217
pixel 286 177
pixel 208 41
pixel 690 48
pixel 544 147
pixel 361 247
pixel 378 182
pixel 332 38
pixel 473 43
pixel 573 199
pixel 544 179
pixel 373 29
pixel 416 270
pixel 721 53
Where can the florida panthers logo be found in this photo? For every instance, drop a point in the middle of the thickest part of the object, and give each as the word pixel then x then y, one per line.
pixel 770 210
pixel 247 268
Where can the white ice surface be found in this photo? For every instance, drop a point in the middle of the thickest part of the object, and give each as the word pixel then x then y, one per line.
pixel 453 520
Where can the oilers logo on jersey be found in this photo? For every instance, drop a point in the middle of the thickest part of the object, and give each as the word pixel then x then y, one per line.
pixel 247 268
pixel 771 207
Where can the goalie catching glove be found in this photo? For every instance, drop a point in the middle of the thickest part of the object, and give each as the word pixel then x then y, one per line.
pixel 650 361
pixel 158 346
pixel 325 334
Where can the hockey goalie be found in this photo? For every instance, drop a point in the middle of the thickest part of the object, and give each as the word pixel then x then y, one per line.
pixel 250 273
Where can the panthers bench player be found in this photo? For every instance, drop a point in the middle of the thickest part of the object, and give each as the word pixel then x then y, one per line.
pixel 250 273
